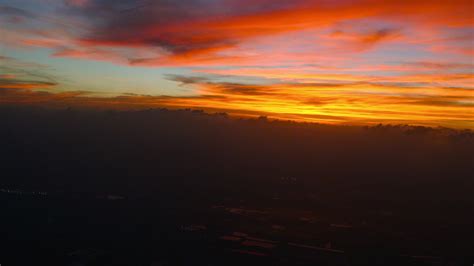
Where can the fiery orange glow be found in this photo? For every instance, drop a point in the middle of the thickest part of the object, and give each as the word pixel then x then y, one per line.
pixel 356 62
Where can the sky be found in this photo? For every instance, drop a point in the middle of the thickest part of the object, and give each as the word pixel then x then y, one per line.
pixel 339 62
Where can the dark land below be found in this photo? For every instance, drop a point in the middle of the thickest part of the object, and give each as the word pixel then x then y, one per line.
pixel 182 187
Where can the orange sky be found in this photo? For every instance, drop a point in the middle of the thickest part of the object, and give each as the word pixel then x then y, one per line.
pixel 355 62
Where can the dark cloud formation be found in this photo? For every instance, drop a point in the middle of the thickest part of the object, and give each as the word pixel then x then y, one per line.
pixel 379 35
pixel 244 89
pixel 165 24
pixel 20 75
pixel 205 26
pixel 185 80
pixel 9 83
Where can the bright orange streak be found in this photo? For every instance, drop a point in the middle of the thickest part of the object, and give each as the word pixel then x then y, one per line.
pixel 353 104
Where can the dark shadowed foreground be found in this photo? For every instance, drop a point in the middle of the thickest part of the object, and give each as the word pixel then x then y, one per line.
pixel 161 187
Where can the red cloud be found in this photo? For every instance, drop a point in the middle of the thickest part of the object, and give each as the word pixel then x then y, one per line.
pixel 191 35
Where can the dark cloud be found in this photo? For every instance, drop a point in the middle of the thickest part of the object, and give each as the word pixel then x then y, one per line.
pixel 178 27
pixel 184 80
pixel 129 22
pixel 9 83
pixel 244 89
pixel 213 82
pixel 379 35
pixel 22 75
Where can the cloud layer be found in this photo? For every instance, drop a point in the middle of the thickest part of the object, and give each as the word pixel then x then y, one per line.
pixel 317 60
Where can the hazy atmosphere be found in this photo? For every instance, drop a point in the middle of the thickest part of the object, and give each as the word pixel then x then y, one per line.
pixel 236 132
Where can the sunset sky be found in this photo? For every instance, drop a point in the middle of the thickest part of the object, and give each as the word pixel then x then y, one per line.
pixel 342 62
